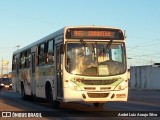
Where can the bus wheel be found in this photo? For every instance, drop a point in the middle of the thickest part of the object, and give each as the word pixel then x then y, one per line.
pixel 98 105
pixel 49 96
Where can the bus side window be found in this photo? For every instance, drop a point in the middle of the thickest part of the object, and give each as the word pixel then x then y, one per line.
pixel 14 63
pixel 28 58
pixel 50 54
pixel 22 60
pixel 17 65
pixel 41 55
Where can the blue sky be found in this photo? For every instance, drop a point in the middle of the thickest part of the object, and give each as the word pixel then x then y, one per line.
pixel 25 21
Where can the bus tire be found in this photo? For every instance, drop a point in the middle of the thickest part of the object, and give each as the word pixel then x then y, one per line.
pixel 49 97
pixel 98 105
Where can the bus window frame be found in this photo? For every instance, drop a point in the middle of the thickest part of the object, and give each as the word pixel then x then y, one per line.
pixel 48 55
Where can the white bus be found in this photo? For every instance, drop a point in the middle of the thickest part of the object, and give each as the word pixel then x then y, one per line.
pixel 82 63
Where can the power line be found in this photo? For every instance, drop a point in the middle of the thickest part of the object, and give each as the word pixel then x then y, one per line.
pixel 142 44
pixel 146 54
pixel 148 50
pixel 151 61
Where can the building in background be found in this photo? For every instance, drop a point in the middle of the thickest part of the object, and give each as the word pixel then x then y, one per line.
pixel 145 77
pixel 4 67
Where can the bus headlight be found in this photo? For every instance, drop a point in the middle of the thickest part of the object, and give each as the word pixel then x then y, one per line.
pixel 70 84
pixel 2 84
pixel 74 72
pixel 122 85
pixel 73 86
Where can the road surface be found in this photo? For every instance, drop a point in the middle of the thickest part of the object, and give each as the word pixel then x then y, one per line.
pixel 145 103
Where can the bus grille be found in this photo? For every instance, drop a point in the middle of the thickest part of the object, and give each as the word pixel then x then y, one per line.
pixel 98 82
pixel 97 95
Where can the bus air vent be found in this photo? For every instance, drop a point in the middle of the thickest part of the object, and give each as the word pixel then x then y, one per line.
pixel 98 95
pixel 98 82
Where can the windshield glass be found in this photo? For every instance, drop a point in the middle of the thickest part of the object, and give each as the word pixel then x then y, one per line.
pixel 95 58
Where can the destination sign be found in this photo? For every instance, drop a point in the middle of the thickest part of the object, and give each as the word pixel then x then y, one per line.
pixel 98 33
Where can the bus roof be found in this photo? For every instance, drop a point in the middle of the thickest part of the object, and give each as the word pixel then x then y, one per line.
pixel 55 34
pixel 49 37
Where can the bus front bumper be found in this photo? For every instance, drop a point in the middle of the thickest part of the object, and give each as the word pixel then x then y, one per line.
pixel 95 96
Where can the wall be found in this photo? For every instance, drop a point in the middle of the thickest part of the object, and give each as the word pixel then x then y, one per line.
pixel 145 77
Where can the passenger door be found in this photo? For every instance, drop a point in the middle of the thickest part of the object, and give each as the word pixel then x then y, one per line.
pixel 33 69
pixel 17 79
pixel 59 76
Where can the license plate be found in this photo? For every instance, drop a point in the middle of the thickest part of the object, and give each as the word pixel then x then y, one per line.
pixel 6 86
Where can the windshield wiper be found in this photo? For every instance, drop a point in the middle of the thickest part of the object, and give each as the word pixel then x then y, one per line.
pixel 108 45
pixel 86 45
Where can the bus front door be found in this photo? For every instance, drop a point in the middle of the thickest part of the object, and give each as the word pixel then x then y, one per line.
pixel 59 71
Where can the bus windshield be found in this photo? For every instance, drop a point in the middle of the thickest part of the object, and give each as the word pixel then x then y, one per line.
pixel 95 58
